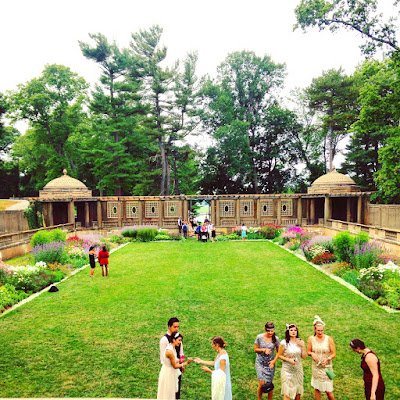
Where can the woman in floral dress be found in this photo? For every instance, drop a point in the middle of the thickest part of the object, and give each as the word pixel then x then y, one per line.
pixel 264 346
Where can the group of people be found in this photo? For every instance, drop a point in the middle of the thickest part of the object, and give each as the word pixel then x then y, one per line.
pixel 291 351
pixel 173 365
pixel 321 348
pixel 205 231
pixel 103 256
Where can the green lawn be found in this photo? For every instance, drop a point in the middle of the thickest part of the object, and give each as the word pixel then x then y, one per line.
pixel 99 337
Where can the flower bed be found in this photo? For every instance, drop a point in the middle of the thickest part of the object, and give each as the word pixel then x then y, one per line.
pixel 361 262
pixel 49 262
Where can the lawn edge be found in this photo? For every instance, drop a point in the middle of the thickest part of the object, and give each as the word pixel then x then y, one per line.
pixel 46 289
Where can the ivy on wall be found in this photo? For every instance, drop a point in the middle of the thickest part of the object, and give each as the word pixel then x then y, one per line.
pixel 34 215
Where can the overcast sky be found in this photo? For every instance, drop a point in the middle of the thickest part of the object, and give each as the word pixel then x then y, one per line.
pixel 35 33
pixel 38 32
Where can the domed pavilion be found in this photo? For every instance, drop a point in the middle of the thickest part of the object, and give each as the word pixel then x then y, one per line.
pixel 336 196
pixel 67 200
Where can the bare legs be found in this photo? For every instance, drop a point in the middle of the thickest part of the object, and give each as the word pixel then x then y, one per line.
pixel 104 270
pixel 259 392
pixel 318 395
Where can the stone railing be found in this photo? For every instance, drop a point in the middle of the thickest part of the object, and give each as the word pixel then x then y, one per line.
pixel 15 239
pixel 374 232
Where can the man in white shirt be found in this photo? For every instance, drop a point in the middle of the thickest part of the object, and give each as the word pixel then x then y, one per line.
pixel 173 326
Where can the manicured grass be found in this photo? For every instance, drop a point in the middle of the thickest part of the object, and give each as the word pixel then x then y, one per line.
pixel 99 337
pixel 6 203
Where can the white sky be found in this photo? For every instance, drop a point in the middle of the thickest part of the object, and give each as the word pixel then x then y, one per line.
pixel 38 32
pixel 34 33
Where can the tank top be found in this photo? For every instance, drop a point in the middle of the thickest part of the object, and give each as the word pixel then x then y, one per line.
pixel 367 371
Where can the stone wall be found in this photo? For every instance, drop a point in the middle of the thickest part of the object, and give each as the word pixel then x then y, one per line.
pixel 385 216
pixel 13 221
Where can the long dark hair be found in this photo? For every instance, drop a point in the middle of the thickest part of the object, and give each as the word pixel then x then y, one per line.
pixel 270 325
pixel 287 337
pixel 175 335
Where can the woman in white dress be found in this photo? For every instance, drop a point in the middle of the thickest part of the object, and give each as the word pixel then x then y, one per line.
pixel 291 350
pixel 168 378
pixel 322 350
pixel 221 387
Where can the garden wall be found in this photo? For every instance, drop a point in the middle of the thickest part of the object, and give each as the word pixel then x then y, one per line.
pixel 13 221
pixel 385 215
pixel 389 238
pixel 17 243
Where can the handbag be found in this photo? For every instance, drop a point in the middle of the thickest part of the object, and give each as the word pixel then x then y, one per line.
pixel 330 373
pixel 267 387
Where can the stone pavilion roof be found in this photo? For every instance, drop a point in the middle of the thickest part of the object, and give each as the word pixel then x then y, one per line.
pixel 333 182
pixel 65 186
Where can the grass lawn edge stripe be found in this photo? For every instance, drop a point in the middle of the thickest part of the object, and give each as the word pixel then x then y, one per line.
pixel 46 289
pixel 341 281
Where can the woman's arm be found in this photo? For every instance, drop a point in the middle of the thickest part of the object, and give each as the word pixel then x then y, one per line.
pixel 372 362
pixel 332 349
pixel 222 364
pixel 172 358
pixel 198 360
pixel 310 350
pixel 302 346
pixel 282 357
pixel 258 349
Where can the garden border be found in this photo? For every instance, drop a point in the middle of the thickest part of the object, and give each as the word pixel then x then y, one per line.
pixel 341 281
pixel 46 289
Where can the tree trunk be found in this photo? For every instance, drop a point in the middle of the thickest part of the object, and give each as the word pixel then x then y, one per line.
pixel 176 181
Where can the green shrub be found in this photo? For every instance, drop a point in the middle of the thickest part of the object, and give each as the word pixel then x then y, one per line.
pixel 129 232
pixel 371 289
pixel 57 235
pixel 9 296
pixel 42 237
pixel 344 246
pixel 39 238
pixel 162 236
pixel 225 238
pixel 146 234
pixel 116 239
pixel 351 277
pixel 391 287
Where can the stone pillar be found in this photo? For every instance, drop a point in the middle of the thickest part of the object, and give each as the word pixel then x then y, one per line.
pixel 119 208
pixel 185 210
pixel 279 211
pixel 160 213
pixel 348 209
pixel 123 209
pixel 71 213
pixel 258 205
pixel 366 210
pixel 312 211
pixel 237 212
pixel 140 211
pixel 87 219
pixel 299 212
pixel 99 214
pixel 359 210
pixel 327 209
pixel 213 215
pixel 217 214
pixel 50 221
